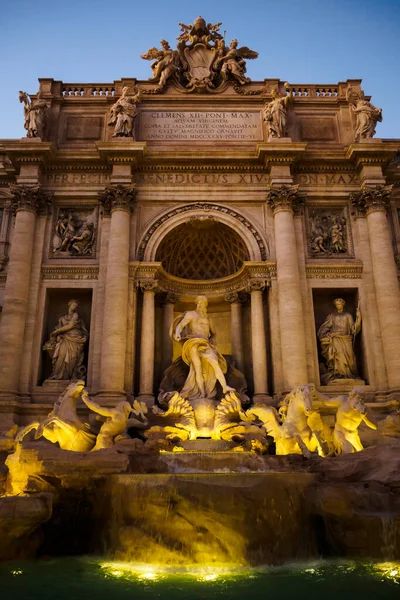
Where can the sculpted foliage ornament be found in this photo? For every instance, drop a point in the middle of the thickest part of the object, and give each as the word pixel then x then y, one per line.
pixel 118 197
pixel 283 198
pixel 371 199
pixel 29 198
pixel 202 62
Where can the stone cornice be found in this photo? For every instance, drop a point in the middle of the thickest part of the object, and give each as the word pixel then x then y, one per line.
pixel 372 152
pixel 69 272
pixel 148 273
pixel 122 151
pixel 29 151
pixel 280 152
pixel 332 271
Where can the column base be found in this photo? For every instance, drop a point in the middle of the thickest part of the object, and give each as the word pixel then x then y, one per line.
pixel 148 399
pixel 262 398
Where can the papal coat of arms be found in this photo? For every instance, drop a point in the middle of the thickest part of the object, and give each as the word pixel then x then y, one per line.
pixel 202 60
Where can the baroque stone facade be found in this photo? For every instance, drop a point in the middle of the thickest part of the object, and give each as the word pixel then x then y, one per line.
pixel 270 198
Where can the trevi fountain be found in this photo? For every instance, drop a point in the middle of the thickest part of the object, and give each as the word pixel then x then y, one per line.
pixel 199 336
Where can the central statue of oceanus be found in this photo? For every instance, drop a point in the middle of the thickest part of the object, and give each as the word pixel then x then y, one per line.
pixel 195 331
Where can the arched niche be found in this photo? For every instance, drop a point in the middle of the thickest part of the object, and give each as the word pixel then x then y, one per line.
pixel 254 242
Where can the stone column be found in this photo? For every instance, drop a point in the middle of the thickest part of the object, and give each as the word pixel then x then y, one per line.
pixel 119 201
pixel 146 394
pixel 168 318
pixel 237 329
pixel 282 201
pixel 374 200
pixel 27 201
pixel 258 344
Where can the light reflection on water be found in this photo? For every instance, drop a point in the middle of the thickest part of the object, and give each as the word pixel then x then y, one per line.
pixel 89 579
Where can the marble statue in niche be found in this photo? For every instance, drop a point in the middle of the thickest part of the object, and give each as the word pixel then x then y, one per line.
pixel 34 114
pixel 328 233
pixel 195 331
pixel 275 113
pixel 66 345
pixel 367 115
pixel 74 234
pixel 337 335
pixel 123 114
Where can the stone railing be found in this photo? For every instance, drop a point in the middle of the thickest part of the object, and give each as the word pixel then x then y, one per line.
pixel 71 90
pixel 315 91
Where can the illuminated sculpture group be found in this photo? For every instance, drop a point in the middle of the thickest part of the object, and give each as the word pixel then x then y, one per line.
pixel 197 410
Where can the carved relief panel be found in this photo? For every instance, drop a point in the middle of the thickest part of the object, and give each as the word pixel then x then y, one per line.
pixel 74 232
pixel 328 231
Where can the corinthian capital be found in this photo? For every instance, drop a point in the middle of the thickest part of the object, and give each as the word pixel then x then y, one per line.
pixel 29 198
pixel 372 199
pixel 118 197
pixel 283 198
pixel 149 285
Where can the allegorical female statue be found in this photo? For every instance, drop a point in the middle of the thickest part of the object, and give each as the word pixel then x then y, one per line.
pixel 275 114
pixel 66 345
pixel 337 335
pixel 123 114
pixel 34 114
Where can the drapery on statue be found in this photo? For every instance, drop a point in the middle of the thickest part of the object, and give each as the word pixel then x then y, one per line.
pixel 201 62
pixel 275 114
pixel 66 345
pixel 233 62
pixel 194 329
pixel 337 335
pixel 367 115
pixel 34 113
pixel 123 114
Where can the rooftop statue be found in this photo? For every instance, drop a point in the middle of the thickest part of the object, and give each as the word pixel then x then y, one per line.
pixel 123 114
pixel 367 115
pixel 275 114
pixel 202 61
pixel 166 62
pixel 34 113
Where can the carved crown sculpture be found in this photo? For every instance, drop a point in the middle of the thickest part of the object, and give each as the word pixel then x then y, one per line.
pixel 201 62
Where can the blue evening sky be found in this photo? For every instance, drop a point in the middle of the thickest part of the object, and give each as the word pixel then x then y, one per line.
pixel 301 41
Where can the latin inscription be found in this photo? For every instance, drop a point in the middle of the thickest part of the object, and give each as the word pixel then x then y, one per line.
pixel 204 125
pixel 201 178
pixel 77 178
pixel 207 178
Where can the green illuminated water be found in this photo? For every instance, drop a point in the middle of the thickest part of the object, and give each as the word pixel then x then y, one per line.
pixel 87 579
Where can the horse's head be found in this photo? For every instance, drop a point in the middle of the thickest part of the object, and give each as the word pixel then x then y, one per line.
pixel 301 398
